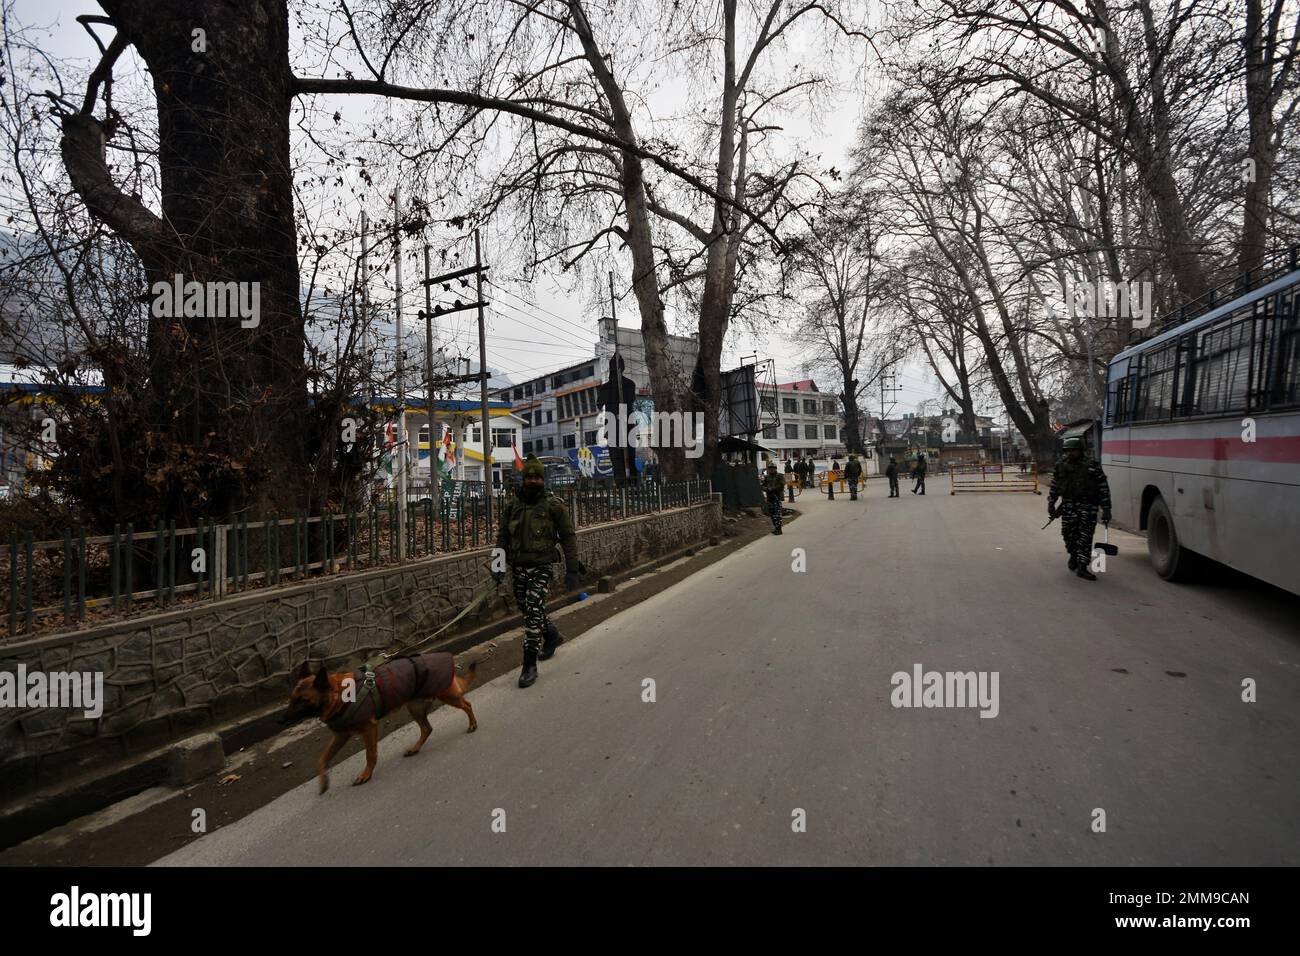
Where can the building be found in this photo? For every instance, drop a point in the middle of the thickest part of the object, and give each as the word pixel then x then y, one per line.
pixel 559 409
pixel 464 422
pixel 810 422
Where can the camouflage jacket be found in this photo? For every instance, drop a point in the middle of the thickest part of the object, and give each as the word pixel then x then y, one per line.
pixel 773 484
pixel 1082 481
pixel 530 532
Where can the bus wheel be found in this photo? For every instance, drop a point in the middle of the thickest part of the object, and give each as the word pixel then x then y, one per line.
pixel 1172 561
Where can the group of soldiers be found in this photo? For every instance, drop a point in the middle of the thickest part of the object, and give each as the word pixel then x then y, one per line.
pixel 803 469
pixel 536 531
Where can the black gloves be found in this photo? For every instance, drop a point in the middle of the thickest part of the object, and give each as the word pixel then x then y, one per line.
pixel 1051 508
pixel 1105 516
pixel 498 576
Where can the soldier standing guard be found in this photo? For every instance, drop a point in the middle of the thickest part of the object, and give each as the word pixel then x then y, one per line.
pixel 774 488
pixel 892 474
pixel 532 524
pixel 1081 485
pixel 853 472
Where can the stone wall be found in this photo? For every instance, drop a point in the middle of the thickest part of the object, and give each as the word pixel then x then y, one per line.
pixel 169 674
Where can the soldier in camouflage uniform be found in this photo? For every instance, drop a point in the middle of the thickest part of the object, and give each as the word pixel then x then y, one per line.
pixel 774 488
pixel 533 522
pixel 1082 487
pixel 853 472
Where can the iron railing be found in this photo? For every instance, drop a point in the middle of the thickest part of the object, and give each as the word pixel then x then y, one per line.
pixel 83 578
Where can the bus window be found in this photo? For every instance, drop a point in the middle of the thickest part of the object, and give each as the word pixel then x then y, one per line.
pixel 1221 367
pixel 1118 394
pixel 1287 391
pixel 1156 388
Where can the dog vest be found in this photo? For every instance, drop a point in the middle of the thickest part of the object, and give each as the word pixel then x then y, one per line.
pixel 394 683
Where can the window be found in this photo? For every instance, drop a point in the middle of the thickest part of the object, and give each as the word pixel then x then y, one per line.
pixel 791 431
pixel 589 438
pixel 570 441
pixel 1287 390
pixel 519 393
pixel 769 431
pixel 828 408
pixel 502 437
pixel 790 405
pixel 831 431
pixel 528 390
pixel 528 447
pixel 587 372
pixel 1156 389
pixel 810 431
pixel 476 435
pixel 767 403
pixel 1220 367
pixel 550 444
pixel 809 406
pixel 550 417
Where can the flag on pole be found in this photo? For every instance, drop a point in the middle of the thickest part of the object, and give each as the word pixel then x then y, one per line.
pixel 519 462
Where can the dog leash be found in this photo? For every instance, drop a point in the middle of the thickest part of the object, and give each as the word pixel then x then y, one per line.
pixel 481 595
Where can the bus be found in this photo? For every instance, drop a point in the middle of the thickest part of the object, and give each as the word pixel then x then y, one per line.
pixel 1201 434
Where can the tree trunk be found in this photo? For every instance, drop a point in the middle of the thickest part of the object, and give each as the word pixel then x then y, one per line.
pixel 237 394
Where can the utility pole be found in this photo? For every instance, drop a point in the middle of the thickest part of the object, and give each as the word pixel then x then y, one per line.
pixel 435 490
pixel 458 306
pixel 399 449
pixel 483 380
pixel 892 378
pixel 369 363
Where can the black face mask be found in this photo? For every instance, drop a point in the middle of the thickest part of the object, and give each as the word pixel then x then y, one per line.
pixel 531 493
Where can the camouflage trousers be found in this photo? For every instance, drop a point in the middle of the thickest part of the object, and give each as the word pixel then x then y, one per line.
pixel 774 508
pixel 530 586
pixel 1078 522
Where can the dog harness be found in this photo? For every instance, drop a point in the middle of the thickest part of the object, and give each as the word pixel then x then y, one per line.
pixel 392 684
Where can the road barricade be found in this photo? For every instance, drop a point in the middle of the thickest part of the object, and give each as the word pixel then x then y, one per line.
pixel 966 479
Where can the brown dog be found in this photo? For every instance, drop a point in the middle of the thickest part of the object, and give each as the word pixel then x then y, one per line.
pixel 351 702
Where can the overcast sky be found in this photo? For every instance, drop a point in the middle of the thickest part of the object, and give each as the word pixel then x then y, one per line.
pixel 547 325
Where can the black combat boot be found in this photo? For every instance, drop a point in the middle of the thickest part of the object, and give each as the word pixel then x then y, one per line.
pixel 551 639
pixel 1074 563
pixel 777 530
pixel 529 673
pixel 1086 574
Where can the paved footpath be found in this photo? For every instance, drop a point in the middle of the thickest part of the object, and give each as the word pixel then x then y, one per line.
pixel 772 695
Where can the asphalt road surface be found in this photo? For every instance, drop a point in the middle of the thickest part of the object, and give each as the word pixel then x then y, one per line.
pixel 772 695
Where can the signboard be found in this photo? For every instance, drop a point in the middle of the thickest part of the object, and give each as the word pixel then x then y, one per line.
pixel 738 414
pixel 591 461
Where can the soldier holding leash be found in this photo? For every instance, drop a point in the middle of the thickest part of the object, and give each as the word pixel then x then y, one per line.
pixel 533 523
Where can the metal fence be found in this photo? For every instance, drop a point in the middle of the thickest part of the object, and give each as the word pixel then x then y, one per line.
pixel 994 476
pixel 83 579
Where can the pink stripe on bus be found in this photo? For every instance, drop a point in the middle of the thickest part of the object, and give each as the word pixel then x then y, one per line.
pixel 1282 448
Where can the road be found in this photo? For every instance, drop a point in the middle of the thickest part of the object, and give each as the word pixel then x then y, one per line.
pixel 773 695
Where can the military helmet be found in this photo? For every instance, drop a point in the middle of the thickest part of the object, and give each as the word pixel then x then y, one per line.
pixel 1074 441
